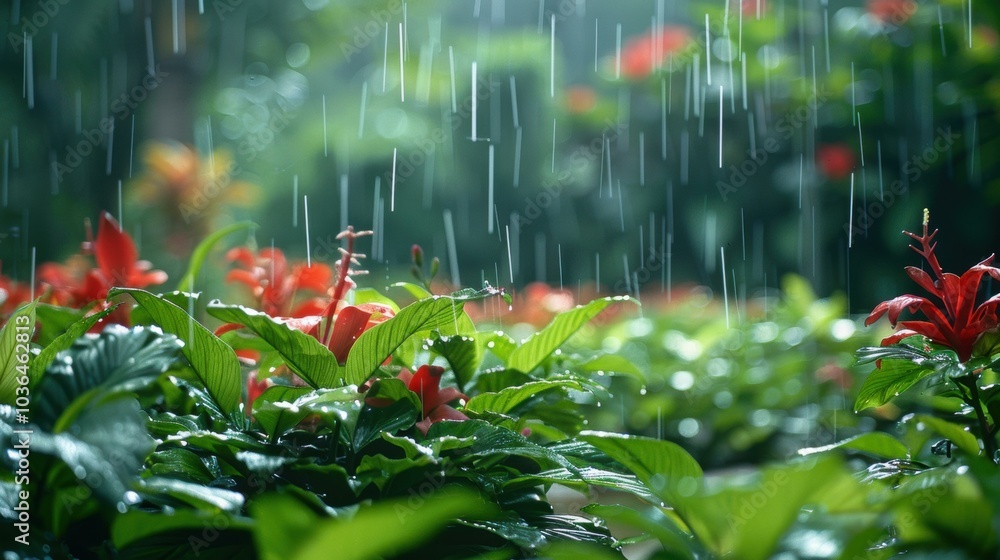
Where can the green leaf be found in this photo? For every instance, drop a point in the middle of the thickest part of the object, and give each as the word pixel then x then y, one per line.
pixel 14 355
pixel 378 343
pixel 508 399
pixel 64 341
pixel 374 421
pixel 214 362
pixel 134 527
pixel 746 516
pixel 54 320
pixel 275 410
pixel 119 360
pixel 612 363
pixel 417 291
pixel 287 529
pixel 662 465
pixel 888 381
pixel 879 444
pixel 105 447
pixel 463 354
pixel 303 354
pixel 536 349
pixel 490 440
pixel 196 495
pixel 654 522
pixel 957 434
pixel 370 295
pixel 181 463
pixel 201 252
pixel 583 478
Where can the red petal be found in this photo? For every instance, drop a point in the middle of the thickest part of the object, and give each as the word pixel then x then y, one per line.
pixel 241 255
pixel 316 277
pixel 426 383
pixel 114 250
pixel 923 279
pixel 350 323
pixel 897 336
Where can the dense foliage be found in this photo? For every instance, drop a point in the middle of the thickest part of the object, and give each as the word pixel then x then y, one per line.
pixel 407 431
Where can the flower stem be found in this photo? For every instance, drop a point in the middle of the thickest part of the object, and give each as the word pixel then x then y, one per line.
pixel 989 441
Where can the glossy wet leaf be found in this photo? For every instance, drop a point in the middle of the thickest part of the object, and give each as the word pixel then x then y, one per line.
pixel 533 351
pixel 378 342
pixel 304 355
pixel 65 341
pixel 213 361
pixel 118 360
pixel 662 465
pixel 879 444
pixel 15 356
pixel 509 398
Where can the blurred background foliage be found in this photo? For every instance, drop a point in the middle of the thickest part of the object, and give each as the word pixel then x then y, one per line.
pixel 237 109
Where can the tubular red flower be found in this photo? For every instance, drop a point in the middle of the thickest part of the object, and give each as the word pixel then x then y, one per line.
pixel 956 321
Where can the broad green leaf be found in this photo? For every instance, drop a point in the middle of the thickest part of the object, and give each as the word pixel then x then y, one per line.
pixel 275 409
pixel 119 360
pixel 376 420
pixel 15 353
pixel 214 362
pixel 654 522
pixel 180 463
pixel 417 291
pixel 888 381
pixel 662 465
pixel 287 529
pixel 133 527
pixel 746 516
pixel 879 444
pixel 370 295
pixel 303 354
pixel 492 441
pixel 105 447
pixel 508 399
pixel 583 478
pixel 463 354
pixel 957 434
pixel 188 301
pixel 537 348
pixel 378 343
pixel 196 495
pixel 54 320
pixel 201 252
pixel 64 341
pixel 612 363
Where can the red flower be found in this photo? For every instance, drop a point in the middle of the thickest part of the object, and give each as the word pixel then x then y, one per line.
pixel 426 383
pixel 641 55
pixel 956 322
pixel 336 323
pixel 268 277
pixel 77 284
pixel 836 161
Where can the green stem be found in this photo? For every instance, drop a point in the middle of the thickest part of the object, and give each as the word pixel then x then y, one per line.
pixel 989 441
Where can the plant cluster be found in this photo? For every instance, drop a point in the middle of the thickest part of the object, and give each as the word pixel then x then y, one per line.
pixel 325 416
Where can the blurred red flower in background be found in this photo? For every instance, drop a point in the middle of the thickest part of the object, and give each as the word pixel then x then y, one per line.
pixel 640 56
pixel 77 284
pixel 896 12
pixel 836 161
